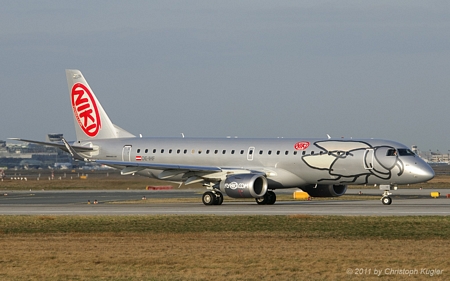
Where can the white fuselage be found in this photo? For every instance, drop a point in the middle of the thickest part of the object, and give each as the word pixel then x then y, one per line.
pixel 286 164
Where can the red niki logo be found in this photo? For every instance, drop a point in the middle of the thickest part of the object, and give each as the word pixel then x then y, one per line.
pixel 301 145
pixel 85 110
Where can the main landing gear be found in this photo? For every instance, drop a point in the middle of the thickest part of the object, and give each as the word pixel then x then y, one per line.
pixel 268 199
pixel 212 198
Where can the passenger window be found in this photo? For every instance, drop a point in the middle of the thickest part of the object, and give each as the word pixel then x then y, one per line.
pixel 170 151
pixel 178 151
pixel 207 151
pixel 154 150
pixel 224 151
pixel 232 152
pixel 260 152
pixel 295 152
pixel 185 151
pixel 278 152
pixel 286 153
pixel 139 150
pixel 242 151
pixel 146 150
pixel 162 150
pixel 269 152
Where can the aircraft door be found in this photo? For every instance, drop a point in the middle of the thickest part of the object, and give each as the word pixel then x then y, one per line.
pixel 126 153
pixel 369 156
pixel 250 152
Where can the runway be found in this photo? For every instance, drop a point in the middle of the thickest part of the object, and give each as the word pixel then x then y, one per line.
pixel 405 203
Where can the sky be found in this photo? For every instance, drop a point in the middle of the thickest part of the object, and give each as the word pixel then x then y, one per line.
pixel 352 69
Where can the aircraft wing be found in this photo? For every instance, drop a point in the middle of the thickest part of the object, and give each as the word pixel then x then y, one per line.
pixel 60 145
pixel 192 173
pixel 157 166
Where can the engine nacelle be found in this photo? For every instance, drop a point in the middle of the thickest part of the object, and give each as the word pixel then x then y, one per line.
pixel 244 186
pixel 325 190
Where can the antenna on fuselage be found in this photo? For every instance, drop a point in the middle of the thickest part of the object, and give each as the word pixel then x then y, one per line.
pixel 328 136
pixel 182 135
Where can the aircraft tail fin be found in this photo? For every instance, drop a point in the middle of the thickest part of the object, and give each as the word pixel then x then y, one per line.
pixel 91 120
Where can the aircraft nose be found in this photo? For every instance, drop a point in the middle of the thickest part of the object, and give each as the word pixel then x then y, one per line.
pixel 429 173
pixel 424 172
pixel 419 171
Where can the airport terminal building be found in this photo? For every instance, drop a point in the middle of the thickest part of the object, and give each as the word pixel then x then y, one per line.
pixel 33 156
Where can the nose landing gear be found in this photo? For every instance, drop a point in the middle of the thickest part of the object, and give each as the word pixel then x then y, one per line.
pixel 385 199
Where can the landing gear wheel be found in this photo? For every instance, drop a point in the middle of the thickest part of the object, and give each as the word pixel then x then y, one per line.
pixel 268 199
pixel 219 198
pixel 272 197
pixel 386 200
pixel 212 198
pixel 260 201
pixel 209 198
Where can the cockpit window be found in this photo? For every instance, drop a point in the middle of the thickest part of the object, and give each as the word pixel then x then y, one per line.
pixel 391 152
pixel 405 152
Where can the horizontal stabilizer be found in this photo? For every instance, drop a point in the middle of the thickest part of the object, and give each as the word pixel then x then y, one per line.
pixel 60 145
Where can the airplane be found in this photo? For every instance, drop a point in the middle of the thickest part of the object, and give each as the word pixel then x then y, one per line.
pixel 239 167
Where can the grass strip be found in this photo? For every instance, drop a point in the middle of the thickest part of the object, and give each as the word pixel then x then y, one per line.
pixel 412 227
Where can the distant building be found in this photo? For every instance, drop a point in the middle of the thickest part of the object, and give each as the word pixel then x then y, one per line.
pixel 30 164
pixel 32 156
pixel 63 166
pixel 54 137
pixel 433 158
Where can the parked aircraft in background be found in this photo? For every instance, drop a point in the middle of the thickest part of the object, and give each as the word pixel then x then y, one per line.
pixel 240 167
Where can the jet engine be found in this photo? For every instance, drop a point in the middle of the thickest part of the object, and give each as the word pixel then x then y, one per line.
pixel 244 186
pixel 325 190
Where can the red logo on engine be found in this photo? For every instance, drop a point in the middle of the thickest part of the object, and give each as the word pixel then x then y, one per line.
pixel 85 110
pixel 301 145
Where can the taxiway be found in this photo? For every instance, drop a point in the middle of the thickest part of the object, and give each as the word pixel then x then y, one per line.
pixel 406 202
